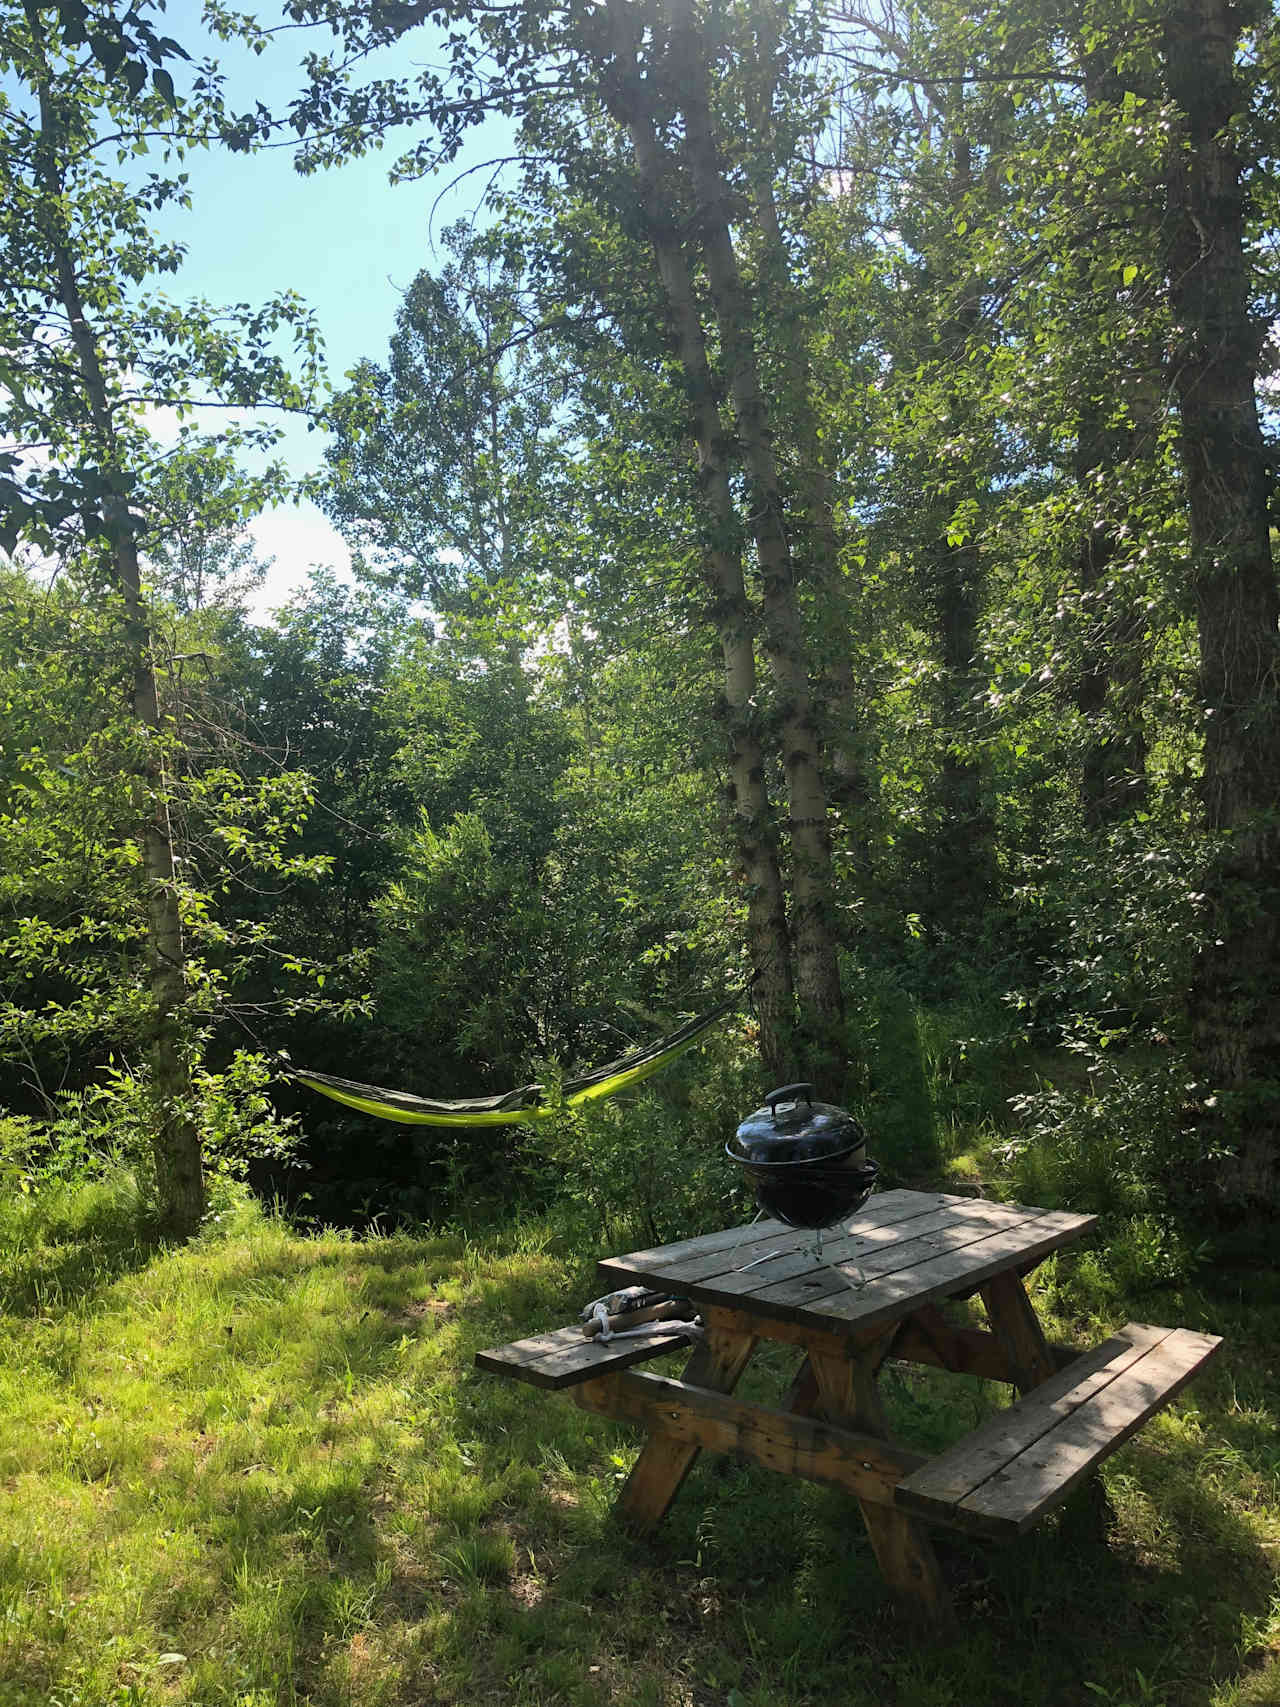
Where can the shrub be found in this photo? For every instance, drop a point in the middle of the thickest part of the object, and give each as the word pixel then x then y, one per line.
pixel 654 1161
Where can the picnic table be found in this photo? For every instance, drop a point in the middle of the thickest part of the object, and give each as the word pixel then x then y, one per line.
pixel 874 1292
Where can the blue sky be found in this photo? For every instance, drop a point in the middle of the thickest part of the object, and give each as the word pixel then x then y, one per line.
pixel 345 239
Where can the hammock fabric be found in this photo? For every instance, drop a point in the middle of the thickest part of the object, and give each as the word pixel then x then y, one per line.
pixel 522 1106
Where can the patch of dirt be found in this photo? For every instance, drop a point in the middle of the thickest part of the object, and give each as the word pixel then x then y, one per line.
pixel 432 1309
pixel 528 1591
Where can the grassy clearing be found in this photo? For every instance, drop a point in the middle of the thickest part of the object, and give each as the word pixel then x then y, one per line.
pixel 261 1471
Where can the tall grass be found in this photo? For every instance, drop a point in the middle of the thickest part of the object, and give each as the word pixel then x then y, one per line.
pixel 261 1471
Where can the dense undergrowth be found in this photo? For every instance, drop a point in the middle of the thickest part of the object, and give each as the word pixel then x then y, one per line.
pixel 261 1470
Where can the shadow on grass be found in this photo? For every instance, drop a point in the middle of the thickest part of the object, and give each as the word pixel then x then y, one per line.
pixel 768 1588
pixel 441 1535
pixel 64 1255
pixel 761 1596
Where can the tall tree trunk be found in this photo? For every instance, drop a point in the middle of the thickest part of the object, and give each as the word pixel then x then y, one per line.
pixel 963 861
pixel 817 970
pixel 1109 689
pixel 1113 773
pixel 815 544
pixel 629 99
pixel 175 1140
pixel 1235 1009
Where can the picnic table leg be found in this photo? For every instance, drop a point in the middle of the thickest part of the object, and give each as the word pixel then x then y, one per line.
pixel 802 1395
pixel 1017 1327
pixel 657 1474
pixel 847 1394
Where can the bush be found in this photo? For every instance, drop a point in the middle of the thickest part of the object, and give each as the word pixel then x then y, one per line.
pixel 105 1131
pixel 653 1163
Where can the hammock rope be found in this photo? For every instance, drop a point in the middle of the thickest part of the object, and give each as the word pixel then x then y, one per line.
pixel 525 1104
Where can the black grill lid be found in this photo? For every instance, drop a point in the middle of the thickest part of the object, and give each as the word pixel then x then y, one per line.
pixel 793 1128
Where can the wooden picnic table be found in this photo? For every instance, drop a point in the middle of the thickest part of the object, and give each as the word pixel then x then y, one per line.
pixel 874 1292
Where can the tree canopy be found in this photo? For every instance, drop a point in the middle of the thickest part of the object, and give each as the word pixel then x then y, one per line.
pixel 814 519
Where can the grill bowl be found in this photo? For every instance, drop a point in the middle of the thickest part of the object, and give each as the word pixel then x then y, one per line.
pixel 811 1194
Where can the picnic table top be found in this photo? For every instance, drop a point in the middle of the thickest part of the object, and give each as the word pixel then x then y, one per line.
pixel 907 1248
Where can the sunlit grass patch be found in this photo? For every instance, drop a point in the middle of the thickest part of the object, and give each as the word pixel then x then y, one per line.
pixel 261 1470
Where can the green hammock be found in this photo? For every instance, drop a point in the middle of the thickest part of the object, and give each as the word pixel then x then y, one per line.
pixel 522 1106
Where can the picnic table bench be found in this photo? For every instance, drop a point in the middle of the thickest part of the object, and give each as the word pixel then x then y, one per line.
pixel 873 1294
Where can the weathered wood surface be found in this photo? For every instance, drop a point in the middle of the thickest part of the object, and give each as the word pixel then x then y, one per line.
pixel 657 1474
pixel 1007 1474
pixel 847 1395
pixel 764 1262
pixel 1017 1327
pixel 563 1358
pixel 898 1293
pixel 910 1247
pixel 799 1278
pixel 729 1247
pixel 927 1337
pixel 781 1440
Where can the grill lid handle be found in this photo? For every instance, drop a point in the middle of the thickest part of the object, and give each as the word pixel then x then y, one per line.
pixel 789 1093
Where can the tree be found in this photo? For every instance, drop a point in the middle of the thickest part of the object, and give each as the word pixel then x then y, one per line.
pixel 564 72
pixel 84 349
pixel 1235 1000
pixel 195 547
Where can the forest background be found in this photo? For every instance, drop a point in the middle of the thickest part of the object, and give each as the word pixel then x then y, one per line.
pixel 815 523
pixel 812 520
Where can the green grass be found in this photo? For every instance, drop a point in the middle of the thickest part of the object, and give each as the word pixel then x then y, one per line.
pixel 261 1470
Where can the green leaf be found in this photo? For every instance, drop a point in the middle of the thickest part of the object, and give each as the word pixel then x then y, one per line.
pixel 108 50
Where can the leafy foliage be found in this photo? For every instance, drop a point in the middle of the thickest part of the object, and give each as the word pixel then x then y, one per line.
pixel 456 843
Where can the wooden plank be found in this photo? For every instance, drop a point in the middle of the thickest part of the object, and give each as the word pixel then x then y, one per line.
pixel 662 1254
pixel 1018 1329
pixel 791 1444
pixel 658 1473
pixel 1041 1477
pixel 565 1368
pixel 889 1297
pixel 927 1337
pixel 963 1202
pixel 852 1249
pixel 835 1277
pixel 564 1358
pixel 950 1478
pixel 666 1262
pixel 802 1394
pixel 507 1359
pixel 880 1222
pixel 848 1396
pixel 799 1333
pixel 893 1295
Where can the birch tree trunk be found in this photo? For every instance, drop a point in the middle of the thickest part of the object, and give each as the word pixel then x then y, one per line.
pixel 815 544
pixel 817 971
pixel 1235 1009
pixel 629 99
pixel 175 1140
